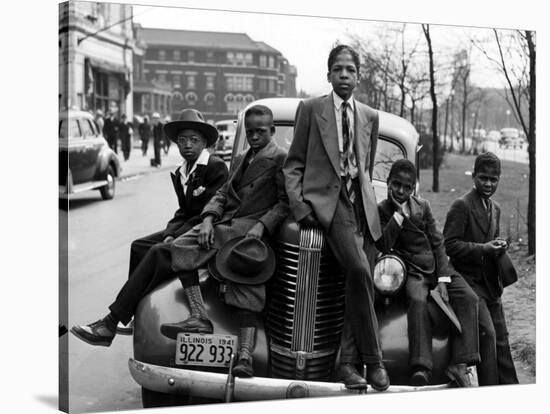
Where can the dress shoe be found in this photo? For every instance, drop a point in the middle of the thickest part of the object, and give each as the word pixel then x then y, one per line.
pixel 377 376
pixel 97 333
pixel 459 374
pixel 420 378
pixel 128 329
pixel 244 368
pixel 190 325
pixel 351 378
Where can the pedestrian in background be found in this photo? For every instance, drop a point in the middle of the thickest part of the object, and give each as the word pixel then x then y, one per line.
pixel 158 136
pixel 110 131
pixel 99 120
pixel 166 142
pixel 125 133
pixel 145 134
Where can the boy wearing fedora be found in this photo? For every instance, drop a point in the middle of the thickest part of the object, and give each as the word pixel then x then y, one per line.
pixel 251 204
pixel 195 182
pixel 476 251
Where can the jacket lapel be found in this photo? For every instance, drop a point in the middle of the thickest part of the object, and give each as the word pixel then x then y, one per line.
pixel 259 164
pixel 175 176
pixel 361 137
pixel 329 134
pixel 479 213
pixel 415 217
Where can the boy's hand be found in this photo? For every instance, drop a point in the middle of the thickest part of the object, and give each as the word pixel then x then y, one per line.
pixel 206 233
pixel 442 289
pixel 495 247
pixel 309 221
pixel 257 231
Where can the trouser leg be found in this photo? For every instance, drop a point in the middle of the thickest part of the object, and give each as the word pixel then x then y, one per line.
pixel 464 301
pixel 154 269
pixel 140 247
pixel 346 245
pixel 419 326
pixel 505 363
pixel 487 372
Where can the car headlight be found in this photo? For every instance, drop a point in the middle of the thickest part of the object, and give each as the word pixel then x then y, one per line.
pixel 389 274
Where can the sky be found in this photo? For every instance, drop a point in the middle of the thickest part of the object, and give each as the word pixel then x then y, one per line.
pixel 306 41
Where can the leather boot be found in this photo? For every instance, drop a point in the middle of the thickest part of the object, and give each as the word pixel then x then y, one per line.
pixel 198 322
pixel 247 342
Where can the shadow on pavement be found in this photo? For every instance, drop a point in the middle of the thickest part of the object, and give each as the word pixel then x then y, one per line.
pixel 48 400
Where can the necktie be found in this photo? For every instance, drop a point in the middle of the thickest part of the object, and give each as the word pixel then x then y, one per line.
pixel 347 150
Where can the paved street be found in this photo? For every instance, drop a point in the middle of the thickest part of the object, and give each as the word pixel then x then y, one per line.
pixel 100 233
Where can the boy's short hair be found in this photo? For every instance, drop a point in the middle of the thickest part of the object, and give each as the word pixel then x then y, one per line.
pixel 339 49
pixel 258 110
pixel 487 160
pixel 402 165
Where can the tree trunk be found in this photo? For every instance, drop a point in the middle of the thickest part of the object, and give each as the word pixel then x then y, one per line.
pixel 464 106
pixel 531 139
pixel 435 137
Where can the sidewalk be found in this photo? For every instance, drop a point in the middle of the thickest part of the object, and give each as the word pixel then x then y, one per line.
pixel 140 165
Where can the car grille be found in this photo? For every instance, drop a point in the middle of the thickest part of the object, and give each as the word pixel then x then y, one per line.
pixel 305 309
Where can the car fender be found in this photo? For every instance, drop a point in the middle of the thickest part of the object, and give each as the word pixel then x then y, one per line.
pixel 106 158
pixel 166 304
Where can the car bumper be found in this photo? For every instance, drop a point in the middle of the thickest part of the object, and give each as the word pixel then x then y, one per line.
pixel 213 385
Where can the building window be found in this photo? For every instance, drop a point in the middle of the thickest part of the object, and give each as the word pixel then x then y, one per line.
pixel 209 82
pixel 263 61
pixel 239 83
pixel 210 56
pixel 161 77
pixel 191 55
pixel 176 55
pixel 262 85
pixel 191 82
pixel 209 98
pixel 271 62
pixel 271 86
pixel 162 54
pixel 191 98
pixel 249 98
pixel 240 59
pixel 176 81
pixel 248 59
pixel 234 103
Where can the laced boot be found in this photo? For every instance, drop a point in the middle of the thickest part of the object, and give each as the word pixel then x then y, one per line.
pixel 198 322
pixel 247 342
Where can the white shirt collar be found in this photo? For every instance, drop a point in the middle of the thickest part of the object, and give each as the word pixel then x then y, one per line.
pixel 202 159
pixel 339 101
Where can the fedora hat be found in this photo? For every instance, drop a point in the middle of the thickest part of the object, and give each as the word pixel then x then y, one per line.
pixel 244 260
pixel 192 119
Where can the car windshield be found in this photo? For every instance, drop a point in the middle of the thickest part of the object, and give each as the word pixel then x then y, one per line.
pixel 68 131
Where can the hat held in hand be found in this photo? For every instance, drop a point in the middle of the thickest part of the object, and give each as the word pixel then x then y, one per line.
pixel 244 260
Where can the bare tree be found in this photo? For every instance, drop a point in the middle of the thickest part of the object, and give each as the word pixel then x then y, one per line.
pixel 435 135
pixel 516 60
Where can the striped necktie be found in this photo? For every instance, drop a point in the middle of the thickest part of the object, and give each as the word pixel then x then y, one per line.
pixel 347 149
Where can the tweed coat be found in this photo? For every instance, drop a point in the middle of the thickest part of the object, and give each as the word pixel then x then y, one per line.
pixel 312 169
pixel 254 194
pixel 418 241
pixel 191 203
pixel 467 227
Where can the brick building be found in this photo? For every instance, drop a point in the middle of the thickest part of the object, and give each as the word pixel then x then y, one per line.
pixel 216 73
pixel 96 48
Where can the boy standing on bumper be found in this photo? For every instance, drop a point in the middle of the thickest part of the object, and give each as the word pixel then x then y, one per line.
pixel 328 181
pixel 409 229
pixel 473 245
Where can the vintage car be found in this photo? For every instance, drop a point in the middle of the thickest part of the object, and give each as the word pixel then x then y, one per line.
pixel 85 160
pixel 510 138
pixel 224 145
pixel 296 353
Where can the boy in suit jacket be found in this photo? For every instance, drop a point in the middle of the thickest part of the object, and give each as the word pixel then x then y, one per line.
pixel 409 230
pixel 195 182
pixel 328 181
pixel 252 203
pixel 473 244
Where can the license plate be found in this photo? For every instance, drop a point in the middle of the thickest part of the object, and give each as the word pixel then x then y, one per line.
pixel 205 350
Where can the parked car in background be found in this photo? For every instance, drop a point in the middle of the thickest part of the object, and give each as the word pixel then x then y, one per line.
pixel 85 160
pixel 224 146
pixel 510 138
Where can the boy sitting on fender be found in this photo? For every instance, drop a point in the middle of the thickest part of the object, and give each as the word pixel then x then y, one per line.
pixel 409 229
